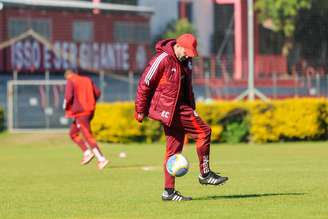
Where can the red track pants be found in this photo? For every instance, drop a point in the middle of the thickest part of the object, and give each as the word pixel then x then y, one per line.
pixel 81 125
pixel 186 121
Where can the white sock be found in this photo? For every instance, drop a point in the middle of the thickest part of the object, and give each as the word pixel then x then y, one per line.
pixel 98 155
pixel 87 152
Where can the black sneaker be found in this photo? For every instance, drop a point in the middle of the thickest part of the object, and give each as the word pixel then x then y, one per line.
pixel 212 179
pixel 175 196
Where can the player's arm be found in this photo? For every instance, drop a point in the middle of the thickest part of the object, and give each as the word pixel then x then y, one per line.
pixel 69 95
pixel 148 83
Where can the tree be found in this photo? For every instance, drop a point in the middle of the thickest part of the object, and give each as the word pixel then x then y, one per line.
pixel 311 32
pixel 280 16
pixel 173 29
pixel 178 27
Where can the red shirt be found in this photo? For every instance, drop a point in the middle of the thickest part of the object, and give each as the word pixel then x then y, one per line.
pixel 81 95
pixel 165 84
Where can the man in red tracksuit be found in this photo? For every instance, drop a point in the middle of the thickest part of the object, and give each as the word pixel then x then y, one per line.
pixel 165 94
pixel 81 95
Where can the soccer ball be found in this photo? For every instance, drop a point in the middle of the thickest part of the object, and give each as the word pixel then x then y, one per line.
pixel 177 165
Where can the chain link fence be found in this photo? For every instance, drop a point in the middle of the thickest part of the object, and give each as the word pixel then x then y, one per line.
pixel 31 101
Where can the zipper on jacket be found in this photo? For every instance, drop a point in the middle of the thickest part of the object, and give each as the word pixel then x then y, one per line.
pixel 177 98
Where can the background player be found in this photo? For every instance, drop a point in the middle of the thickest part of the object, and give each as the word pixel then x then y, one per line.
pixel 81 95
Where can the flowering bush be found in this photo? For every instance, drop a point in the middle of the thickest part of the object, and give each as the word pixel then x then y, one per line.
pixel 290 119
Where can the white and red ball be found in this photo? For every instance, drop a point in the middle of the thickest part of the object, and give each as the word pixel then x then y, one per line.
pixel 177 165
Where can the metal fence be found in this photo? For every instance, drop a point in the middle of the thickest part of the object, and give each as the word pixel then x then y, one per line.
pixel 32 102
pixel 273 88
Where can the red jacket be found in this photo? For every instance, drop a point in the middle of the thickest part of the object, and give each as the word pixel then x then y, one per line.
pixel 81 95
pixel 159 89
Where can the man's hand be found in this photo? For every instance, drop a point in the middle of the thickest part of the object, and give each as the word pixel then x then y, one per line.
pixel 139 116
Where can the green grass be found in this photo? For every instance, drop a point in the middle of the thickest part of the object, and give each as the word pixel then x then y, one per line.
pixel 41 178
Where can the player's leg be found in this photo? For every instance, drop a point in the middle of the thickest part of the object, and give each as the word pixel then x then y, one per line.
pixel 74 133
pixel 198 130
pixel 174 144
pixel 84 125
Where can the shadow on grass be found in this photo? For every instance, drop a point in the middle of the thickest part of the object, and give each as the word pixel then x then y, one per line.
pixel 214 197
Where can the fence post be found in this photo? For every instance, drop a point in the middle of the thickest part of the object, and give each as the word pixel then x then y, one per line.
pixel 207 85
pixel 48 110
pixel 274 78
pixel 131 85
pixel 102 85
pixel 317 77
pixel 295 85
pixel 14 102
pixel 10 104
pixel 15 75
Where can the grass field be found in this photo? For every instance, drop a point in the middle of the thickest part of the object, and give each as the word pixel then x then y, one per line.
pixel 41 178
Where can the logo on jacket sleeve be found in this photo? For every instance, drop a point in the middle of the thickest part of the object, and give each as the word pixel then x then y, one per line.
pixel 165 114
pixel 195 114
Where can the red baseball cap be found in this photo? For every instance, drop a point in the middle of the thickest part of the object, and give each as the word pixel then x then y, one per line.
pixel 189 43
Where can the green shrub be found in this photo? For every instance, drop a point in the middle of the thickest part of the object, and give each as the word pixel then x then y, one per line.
pixel 231 121
pixel 114 122
pixel 235 132
pixel 235 126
